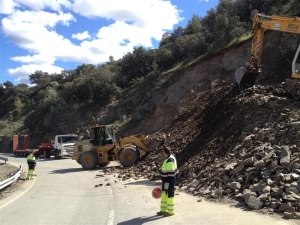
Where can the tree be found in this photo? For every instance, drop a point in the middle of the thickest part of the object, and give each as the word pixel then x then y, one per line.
pixel 194 26
pixel 292 8
pixel 164 58
pixel 39 78
pixel 192 45
pixel 209 26
pixel 3 95
pixel 8 84
pixel 135 65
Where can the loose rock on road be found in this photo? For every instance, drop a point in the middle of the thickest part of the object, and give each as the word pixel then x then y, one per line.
pixel 64 193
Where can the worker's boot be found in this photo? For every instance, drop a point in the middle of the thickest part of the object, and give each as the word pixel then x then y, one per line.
pixel 160 213
pixel 32 174
pixel 168 214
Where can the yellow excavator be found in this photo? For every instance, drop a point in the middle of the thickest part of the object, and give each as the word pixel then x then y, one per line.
pixel 101 147
pixel 246 76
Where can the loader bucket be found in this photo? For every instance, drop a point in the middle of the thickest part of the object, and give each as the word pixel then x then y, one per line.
pixel 246 78
pixel 151 144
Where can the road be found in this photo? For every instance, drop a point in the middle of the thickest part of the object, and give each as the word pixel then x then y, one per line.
pixel 64 193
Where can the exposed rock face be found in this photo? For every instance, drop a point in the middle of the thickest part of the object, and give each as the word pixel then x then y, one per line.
pixel 239 147
pixel 180 87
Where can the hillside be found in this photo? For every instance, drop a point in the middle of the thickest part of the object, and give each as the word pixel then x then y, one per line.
pixel 153 104
pixel 238 143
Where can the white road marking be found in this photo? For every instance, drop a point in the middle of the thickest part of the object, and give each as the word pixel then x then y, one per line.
pixel 111 217
pixel 111 212
pixel 18 196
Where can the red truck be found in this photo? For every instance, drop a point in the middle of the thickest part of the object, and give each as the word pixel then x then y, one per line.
pixel 61 146
pixel 43 150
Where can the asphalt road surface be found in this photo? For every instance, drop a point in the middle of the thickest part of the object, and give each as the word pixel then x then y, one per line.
pixel 64 193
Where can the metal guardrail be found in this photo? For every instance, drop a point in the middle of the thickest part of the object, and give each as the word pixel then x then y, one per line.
pixel 12 179
pixel 4 159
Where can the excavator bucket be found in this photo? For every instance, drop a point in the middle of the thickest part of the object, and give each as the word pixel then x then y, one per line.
pixel 151 144
pixel 245 78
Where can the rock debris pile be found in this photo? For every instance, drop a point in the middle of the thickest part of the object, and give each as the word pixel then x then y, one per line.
pixel 240 144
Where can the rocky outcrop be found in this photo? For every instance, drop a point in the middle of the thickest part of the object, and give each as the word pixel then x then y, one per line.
pixel 249 152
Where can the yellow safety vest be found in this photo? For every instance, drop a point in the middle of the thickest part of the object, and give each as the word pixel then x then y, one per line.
pixel 169 168
pixel 30 158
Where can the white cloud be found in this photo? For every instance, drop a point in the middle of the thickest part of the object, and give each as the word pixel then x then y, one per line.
pixel 38 5
pixel 21 73
pixel 32 27
pixel 34 31
pixel 39 59
pixel 7 6
pixel 81 36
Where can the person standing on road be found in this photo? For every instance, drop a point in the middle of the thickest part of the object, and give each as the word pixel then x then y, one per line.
pixel 168 176
pixel 31 165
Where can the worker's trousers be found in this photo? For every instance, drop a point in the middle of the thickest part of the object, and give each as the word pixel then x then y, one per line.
pixel 30 174
pixel 31 167
pixel 166 203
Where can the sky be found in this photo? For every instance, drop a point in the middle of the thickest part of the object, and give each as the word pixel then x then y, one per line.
pixel 56 35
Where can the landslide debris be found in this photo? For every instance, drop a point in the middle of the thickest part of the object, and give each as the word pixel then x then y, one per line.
pixel 240 144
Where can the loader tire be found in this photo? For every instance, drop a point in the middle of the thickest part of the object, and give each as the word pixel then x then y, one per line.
pixel 46 154
pixel 296 92
pixel 56 154
pixel 89 160
pixel 129 156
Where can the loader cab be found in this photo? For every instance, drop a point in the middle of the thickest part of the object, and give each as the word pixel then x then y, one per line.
pixel 102 135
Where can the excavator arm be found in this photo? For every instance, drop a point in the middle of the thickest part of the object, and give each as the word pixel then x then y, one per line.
pixel 246 76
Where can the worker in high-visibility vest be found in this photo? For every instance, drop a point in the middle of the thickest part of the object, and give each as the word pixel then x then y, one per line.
pixel 168 176
pixel 31 165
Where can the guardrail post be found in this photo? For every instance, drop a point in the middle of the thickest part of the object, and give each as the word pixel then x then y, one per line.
pixel 4 159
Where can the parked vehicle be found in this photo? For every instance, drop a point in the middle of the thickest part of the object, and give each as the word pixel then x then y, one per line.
pixel 62 145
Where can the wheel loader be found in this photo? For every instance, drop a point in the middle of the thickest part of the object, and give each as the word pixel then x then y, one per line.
pixel 102 147
pixel 246 76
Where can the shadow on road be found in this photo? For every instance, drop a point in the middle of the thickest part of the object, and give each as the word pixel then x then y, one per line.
pixel 144 182
pixel 40 160
pixel 140 220
pixel 69 170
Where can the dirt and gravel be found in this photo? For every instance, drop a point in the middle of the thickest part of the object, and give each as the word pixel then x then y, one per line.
pixel 7 171
pixel 239 144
